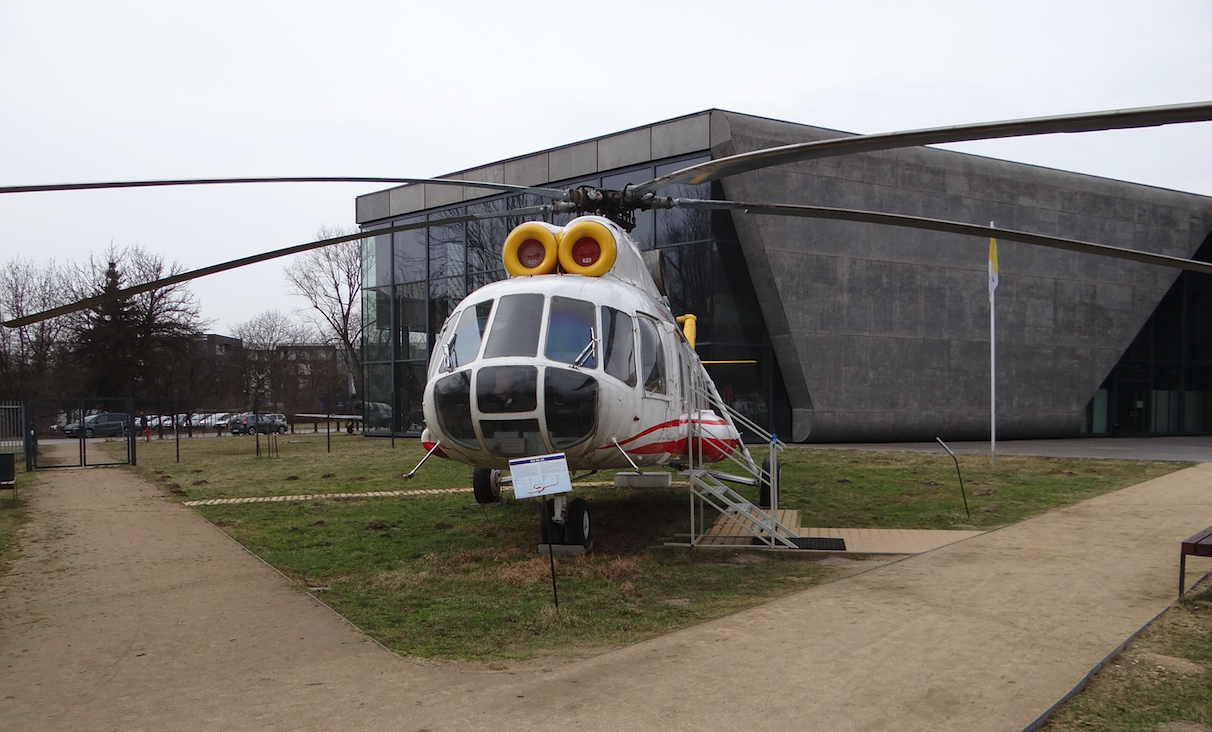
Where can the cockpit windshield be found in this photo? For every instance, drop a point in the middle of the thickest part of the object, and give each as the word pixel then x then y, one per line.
pixel 464 342
pixel 570 332
pixel 515 329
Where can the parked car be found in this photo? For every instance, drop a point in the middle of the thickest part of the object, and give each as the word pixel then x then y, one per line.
pixel 235 423
pixel 104 424
pixel 262 423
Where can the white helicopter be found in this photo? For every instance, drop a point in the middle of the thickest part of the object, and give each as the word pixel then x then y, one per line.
pixel 578 352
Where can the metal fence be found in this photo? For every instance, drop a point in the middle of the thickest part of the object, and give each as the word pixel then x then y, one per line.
pixel 72 432
pixel 12 427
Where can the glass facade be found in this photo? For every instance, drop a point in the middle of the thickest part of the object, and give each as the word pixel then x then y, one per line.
pixel 1162 384
pixel 413 280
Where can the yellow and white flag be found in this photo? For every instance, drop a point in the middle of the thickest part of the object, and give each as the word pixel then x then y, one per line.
pixel 992 265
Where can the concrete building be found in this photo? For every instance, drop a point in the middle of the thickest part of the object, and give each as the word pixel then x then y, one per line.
pixel 860 332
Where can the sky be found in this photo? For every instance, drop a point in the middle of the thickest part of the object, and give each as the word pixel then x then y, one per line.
pixel 133 89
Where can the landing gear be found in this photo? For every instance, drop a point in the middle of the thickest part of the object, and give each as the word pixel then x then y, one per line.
pixel 550 532
pixel 486 485
pixel 576 527
pixel 567 524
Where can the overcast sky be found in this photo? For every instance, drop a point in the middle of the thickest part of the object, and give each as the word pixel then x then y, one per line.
pixel 128 89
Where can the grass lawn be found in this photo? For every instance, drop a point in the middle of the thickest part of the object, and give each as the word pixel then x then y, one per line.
pixel 439 577
pixel 1163 676
pixel 14 512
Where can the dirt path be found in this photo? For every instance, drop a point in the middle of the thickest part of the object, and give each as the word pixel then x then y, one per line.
pixel 129 613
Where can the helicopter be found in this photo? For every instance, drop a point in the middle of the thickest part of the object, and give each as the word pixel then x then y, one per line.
pixel 578 351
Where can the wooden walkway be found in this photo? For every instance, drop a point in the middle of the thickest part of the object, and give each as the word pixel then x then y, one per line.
pixel 726 532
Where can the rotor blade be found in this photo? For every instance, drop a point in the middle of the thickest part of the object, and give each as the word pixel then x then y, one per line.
pixel 1120 119
pixel 950 227
pixel 256 258
pixel 556 194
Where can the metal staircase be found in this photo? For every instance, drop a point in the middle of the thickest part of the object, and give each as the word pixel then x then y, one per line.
pixel 709 486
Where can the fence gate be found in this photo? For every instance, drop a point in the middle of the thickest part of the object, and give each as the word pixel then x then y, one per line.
pixel 68 433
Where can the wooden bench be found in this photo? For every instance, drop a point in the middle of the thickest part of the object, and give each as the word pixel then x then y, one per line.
pixel 1201 546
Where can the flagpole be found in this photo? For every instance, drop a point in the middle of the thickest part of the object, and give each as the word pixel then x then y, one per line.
pixel 993 281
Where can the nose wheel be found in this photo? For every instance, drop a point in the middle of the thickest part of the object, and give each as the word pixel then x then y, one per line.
pixel 486 485
pixel 567 524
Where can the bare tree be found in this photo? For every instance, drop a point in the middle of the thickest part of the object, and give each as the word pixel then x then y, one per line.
pixel 331 280
pixel 29 355
pixel 272 342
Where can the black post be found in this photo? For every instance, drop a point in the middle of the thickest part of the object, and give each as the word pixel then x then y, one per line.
pixel 131 440
pixel 328 422
pixel 31 436
pixel 83 453
pixel 177 430
pixel 957 472
pixel 551 555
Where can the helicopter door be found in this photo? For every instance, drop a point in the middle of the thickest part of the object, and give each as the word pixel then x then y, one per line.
pixel 656 408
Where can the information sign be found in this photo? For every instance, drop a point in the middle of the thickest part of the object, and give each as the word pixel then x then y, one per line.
pixel 543 475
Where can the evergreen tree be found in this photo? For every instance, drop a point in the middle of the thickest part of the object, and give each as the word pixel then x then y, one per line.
pixel 135 346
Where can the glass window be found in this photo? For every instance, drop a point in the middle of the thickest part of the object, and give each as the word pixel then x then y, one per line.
pixel 570 401
pixel 376 409
pixel 376 261
pixel 411 338
pixel 444 296
pixel 452 402
pixel 678 225
pixel 688 281
pixel 376 324
pixel 570 332
pixel 464 343
pixel 513 437
pixel 447 246
pixel 618 343
pixel 652 356
pixel 410 393
pixel 486 237
pixel 507 389
pixel 515 329
pixel 411 252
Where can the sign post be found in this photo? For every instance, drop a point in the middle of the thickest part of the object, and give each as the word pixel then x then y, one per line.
pixel 543 475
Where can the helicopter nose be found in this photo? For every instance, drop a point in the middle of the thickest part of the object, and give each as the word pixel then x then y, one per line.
pixel 516 418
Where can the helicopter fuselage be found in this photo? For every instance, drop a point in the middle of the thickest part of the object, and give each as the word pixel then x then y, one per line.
pixel 595 367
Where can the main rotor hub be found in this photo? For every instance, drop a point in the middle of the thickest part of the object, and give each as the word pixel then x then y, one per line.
pixel 618 206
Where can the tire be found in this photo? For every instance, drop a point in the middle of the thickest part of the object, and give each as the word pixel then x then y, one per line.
pixel 88 432
pixel 577 529
pixel 549 531
pixel 486 485
pixel 764 485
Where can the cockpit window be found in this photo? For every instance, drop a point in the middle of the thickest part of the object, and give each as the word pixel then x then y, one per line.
pixel 515 329
pixel 507 389
pixel 618 345
pixel 464 343
pixel 652 357
pixel 571 332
